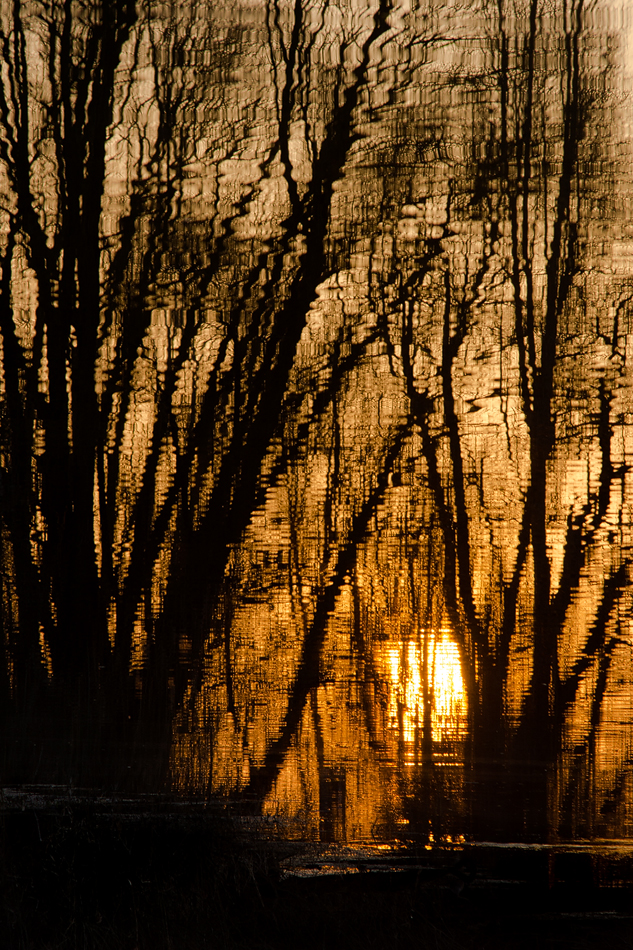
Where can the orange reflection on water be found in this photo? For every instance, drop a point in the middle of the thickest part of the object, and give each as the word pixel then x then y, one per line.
pixel 425 676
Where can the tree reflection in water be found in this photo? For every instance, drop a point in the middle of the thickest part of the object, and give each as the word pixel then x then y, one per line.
pixel 315 335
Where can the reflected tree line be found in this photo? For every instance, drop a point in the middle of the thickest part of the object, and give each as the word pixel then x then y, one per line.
pixel 227 262
pixel 527 206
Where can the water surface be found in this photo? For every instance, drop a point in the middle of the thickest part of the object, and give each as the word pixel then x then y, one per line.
pixel 316 414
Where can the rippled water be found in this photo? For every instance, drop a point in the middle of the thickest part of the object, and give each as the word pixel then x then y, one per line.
pixel 316 415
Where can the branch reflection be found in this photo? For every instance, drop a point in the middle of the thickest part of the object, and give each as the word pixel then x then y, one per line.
pixel 315 444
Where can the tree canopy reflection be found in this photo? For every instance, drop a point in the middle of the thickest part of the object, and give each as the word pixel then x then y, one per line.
pixel 315 334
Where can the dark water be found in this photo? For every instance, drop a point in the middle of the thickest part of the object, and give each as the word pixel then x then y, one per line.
pixel 316 403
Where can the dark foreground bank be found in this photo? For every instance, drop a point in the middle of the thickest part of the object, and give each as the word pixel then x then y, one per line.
pixel 83 876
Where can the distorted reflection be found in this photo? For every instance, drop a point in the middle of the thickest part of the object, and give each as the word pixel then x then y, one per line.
pixel 316 438
pixel 426 673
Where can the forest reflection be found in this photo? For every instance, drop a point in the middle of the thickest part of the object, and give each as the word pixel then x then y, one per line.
pixel 316 409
